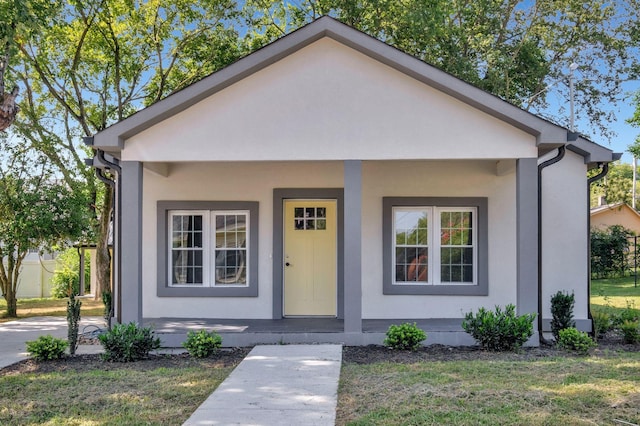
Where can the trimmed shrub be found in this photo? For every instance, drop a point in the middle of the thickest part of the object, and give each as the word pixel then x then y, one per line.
pixel 630 331
pixel 202 344
pixel 561 313
pixel 601 324
pixel 404 337
pixel 574 340
pixel 46 348
pixel 128 342
pixel 73 322
pixel 499 330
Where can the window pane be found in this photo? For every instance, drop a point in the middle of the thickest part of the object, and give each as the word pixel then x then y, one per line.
pixel 197 239
pixel 410 220
pixel 456 274
pixel 467 256
pixel 176 240
pixel 230 267
pixel 467 274
pixel 197 223
pixel 309 212
pixel 445 273
pixel 299 223
pixel 321 224
pixel 298 212
pixel 321 212
pixel 311 224
pixel 422 236
pixel 401 275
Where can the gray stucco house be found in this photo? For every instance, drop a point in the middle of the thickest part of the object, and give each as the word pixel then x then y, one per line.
pixel 328 185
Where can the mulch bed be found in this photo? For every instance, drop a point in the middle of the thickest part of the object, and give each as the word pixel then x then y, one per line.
pixel 351 354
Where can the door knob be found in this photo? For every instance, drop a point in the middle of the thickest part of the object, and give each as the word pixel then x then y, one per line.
pixel 287 264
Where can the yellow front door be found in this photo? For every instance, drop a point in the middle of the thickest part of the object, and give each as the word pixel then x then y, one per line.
pixel 310 258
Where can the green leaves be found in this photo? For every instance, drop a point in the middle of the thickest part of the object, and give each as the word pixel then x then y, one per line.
pixel 517 50
pixel 499 330
pixel 46 348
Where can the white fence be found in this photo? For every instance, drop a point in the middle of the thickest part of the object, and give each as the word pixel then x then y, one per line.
pixel 35 278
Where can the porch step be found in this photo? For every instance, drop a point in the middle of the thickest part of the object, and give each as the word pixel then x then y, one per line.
pixel 277 385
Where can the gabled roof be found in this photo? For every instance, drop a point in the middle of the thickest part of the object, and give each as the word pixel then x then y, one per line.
pixel 616 206
pixel 547 134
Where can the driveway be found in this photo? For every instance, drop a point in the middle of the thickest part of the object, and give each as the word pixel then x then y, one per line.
pixel 15 334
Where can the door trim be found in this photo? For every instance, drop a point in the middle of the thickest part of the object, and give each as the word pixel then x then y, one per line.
pixel 281 194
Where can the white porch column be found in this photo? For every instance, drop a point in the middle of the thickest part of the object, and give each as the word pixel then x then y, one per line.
pixel 527 235
pixel 353 246
pixel 130 296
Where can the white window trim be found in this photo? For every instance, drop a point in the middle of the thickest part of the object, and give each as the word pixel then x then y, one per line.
pixel 208 248
pixel 212 252
pixel 433 245
pixel 205 248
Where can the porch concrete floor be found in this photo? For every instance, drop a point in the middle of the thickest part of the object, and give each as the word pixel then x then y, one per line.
pixel 292 325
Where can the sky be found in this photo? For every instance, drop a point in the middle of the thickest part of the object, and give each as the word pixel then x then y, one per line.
pixel 626 134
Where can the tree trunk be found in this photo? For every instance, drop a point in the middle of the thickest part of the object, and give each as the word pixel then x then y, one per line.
pixel 103 255
pixel 12 303
pixel 8 108
pixel 9 282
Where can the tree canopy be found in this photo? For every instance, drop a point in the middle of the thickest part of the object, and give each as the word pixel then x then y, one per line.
pixel 84 65
pixel 36 212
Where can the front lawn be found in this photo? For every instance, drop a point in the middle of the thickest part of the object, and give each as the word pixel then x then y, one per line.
pixel 569 391
pixel 49 307
pixel 615 294
pixel 83 390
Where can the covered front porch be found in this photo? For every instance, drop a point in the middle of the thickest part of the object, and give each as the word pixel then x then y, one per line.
pixel 248 332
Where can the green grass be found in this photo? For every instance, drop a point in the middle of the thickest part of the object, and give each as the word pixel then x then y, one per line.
pixel 571 391
pixel 49 307
pixel 615 294
pixel 161 396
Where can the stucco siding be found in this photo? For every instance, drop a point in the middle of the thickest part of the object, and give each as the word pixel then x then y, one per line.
pixel 256 181
pixel 224 182
pixel 564 232
pixel 329 102
pixel 438 179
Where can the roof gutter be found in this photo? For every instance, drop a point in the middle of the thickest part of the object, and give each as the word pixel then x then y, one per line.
pixel 541 166
pixel 592 179
pixel 112 166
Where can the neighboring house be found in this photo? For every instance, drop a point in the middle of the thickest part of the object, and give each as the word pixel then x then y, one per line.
pixel 615 214
pixel 331 177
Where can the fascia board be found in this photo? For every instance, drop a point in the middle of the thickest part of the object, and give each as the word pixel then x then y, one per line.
pixel 592 152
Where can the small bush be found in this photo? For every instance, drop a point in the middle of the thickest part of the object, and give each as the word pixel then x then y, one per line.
pixel 404 337
pixel 46 348
pixel 574 340
pixel 73 322
pixel 499 330
pixel 202 344
pixel 630 313
pixel 630 331
pixel 66 278
pixel 561 313
pixel 128 342
pixel 601 324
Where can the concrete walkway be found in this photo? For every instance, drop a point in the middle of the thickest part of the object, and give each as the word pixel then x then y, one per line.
pixel 277 385
pixel 274 385
pixel 15 334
